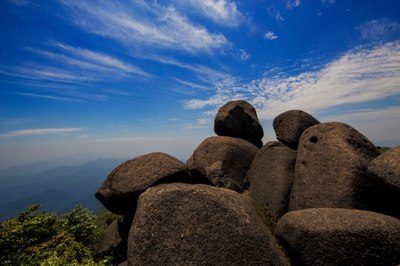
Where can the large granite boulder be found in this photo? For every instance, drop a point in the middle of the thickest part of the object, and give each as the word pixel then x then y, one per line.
pixel 340 237
pixel 271 176
pixel 239 119
pixel 181 224
pixel 331 167
pixel 120 190
pixel 224 161
pixel 384 173
pixel 290 125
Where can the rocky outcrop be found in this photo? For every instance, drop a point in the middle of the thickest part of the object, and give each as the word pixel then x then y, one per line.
pixel 271 176
pixel 340 237
pixel 239 119
pixel 308 187
pixel 384 174
pixel 290 125
pixel 121 188
pixel 224 161
pixel 331 166
pixel 180 224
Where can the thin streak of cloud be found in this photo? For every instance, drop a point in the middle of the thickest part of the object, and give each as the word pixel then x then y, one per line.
pixel 38 131
pixel 223 12
pixel 101 59
pixel 50 97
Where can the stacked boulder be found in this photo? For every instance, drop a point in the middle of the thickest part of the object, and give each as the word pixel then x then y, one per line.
pixel 320 195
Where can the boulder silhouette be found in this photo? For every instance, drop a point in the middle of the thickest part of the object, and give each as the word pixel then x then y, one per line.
pixel 181 224
pixel 271 176
pixel 239 119
pixel 120 190
pixel 331 166
pixel 384 173
pixel 290 125
pixel 340 237
pixel 224 161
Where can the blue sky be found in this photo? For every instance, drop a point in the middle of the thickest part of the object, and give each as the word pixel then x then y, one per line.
pixel 124 78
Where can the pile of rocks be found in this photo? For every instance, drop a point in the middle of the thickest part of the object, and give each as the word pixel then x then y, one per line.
pixel 320 195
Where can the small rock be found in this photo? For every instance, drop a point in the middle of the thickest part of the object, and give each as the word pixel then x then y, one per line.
pixel 290 125
pixel 340 237
pixel 239 119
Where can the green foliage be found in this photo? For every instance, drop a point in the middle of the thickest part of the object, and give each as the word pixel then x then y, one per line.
pixel 39 238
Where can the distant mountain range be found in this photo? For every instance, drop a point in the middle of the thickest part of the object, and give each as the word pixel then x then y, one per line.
pixel 56 188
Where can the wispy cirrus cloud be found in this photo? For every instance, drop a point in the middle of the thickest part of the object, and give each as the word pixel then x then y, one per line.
pixel 50 97
pixel 38 131
pixel 223 12
pixel 68 64
pixel 141 24
pixel 361 75
pixel 380 30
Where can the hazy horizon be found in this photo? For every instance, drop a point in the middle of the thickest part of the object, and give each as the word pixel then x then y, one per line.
pixel 118 79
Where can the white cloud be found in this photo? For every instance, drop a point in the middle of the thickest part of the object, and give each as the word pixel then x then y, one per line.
pixel 223 12
pixel 290 4
pixel 380 30
pixel 359 76
pixel 38 131
pixel 270 35
pixel 140 24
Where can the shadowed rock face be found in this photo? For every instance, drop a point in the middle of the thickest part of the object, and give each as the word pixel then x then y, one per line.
pixel 331 165
pixel 120 190
pixel 271 176
pixel 180 224
pixel 384 174
pixel 239 119
pixel 290 125
pixel 224 161
pixel 340 237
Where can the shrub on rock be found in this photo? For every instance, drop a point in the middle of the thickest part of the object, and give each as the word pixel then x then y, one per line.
pixel 340 237
pixel 239 119
pixel 181 224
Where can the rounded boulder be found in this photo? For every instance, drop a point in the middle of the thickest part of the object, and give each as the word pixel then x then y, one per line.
pixel 290 125
pixel 224 161
pixel 340 237
pixel 239 119
pixel 120 190
pixel 181 224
